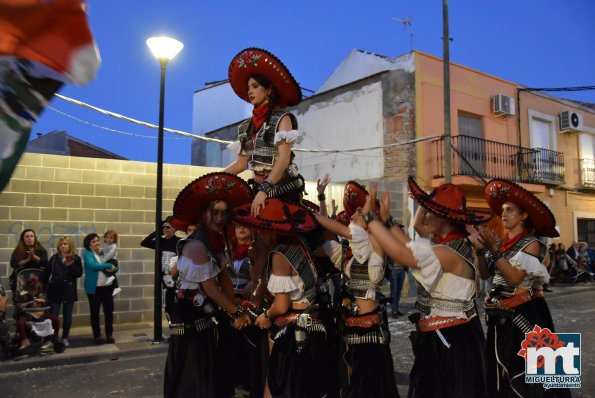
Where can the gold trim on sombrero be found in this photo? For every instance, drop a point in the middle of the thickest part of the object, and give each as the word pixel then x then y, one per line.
pixel 499 191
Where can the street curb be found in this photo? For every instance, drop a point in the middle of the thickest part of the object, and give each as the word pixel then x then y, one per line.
pixel 55 360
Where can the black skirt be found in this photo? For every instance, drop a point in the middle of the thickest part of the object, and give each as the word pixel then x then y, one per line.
pixel 372 372
pixel 504 338
pixel 300 373
pixel 190 368
pixel 455 371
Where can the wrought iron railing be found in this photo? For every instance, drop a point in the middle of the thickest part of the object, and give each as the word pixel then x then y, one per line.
pixel 491 159
pixel 588 173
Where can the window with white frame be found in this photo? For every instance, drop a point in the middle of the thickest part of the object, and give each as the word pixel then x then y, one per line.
pixel 542 130
pixel 587 157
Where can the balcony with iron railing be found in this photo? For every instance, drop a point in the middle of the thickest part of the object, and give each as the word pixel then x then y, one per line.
pixel 587 173
pixel 477 157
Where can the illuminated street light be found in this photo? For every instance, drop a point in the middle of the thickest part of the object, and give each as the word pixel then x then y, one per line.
pixel 164 49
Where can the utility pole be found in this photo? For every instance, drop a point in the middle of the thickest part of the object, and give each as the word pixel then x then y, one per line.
pixel 446 71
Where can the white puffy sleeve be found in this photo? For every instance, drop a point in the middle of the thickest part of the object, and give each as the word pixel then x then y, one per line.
pixel 281 284
pixel 375 268
pixel 530 264
pixel 235 147
pixel 430 270
pixel 291 137
pixel 196 273
pixel 334 251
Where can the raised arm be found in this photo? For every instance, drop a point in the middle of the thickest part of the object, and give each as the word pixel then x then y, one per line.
pixel 334 226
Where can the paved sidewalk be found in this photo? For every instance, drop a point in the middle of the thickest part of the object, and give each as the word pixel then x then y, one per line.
pixel 131 339
pixel 135 339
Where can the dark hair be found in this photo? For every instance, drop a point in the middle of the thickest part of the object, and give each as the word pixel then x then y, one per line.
pixel 21 249
pixel 88 239
pixel 273 96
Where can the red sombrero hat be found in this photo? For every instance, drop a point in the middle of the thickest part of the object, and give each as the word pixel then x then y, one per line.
pixel 354 196
pixel 255 61
pixel 343 218
pixel 191 200
pixel 448 201
pixel 278 216
pixel 313 207
pixel 499 191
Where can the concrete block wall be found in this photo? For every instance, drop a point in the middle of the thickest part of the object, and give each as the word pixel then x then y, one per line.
pixel 72 196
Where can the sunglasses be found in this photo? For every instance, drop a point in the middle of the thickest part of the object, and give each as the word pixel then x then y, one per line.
pixel 166 227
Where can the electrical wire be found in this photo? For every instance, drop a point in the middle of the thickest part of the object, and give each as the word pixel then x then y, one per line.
pixel 210 139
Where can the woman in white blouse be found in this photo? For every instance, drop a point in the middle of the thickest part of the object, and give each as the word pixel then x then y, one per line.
pixel 448 343
pixel 300 360
pixel 364 327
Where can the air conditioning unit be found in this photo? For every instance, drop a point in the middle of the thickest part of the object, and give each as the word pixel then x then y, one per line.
pixel 502 105
pixel 570 122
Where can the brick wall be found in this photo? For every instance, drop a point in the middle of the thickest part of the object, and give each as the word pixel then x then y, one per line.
pixel 73 196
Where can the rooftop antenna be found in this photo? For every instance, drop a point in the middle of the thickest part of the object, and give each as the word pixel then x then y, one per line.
pixel 407 23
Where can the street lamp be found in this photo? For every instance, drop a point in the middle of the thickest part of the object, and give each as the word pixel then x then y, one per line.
pixel 164 49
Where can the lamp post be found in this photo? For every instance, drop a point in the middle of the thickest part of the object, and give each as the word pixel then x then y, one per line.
pixel 164 49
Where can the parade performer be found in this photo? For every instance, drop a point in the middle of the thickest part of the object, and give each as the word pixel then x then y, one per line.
pixel 300 359
pixel 191 368
pixel 448 343
pixel 43 44
pixel 515 303
pixel 364 324
pixel 265 140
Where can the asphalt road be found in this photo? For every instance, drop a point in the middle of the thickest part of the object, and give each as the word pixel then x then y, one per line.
pixel 142 376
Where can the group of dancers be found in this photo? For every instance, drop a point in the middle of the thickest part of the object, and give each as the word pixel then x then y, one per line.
pixel 275 296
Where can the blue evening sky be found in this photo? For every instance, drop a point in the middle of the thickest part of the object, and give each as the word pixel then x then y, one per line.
pixel 537 43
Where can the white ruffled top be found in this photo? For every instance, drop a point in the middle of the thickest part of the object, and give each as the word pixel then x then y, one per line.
pixel 439 284
pixel 362 251
pixel 294 285
pixel 191 274
pixel 530 264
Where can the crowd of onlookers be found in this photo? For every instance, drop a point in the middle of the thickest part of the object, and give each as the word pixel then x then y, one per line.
pixel 574 264
pixel 44 288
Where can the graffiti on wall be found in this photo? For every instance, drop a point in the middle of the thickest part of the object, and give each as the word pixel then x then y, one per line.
pixel 48 235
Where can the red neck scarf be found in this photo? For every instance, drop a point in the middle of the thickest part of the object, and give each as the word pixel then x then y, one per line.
pixel 508 243
pixel 452 235
pixel 259 115
pixel 240 251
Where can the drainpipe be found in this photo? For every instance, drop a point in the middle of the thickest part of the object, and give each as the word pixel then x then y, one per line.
pixel 520 151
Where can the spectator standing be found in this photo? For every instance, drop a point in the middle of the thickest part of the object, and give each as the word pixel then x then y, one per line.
pixel 397 277
pixel 29 253
pixel 98 293
pixel 59 279
pixel 169 242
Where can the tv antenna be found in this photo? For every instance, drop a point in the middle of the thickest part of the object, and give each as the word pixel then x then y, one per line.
pixel 407 23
